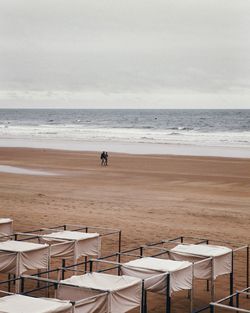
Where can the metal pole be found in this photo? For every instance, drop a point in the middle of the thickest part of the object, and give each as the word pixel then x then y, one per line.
pixel 237 300
pixel 247 280
pixel 119 250
pixel 90 266
pixel 168 298
pixel 86 264
pixel 22 284
pixel 231 302
pixel 212 280
pixel 141 252
pixel 207 241
pixel 63 266
pixel 211 308
pixel 9 277
pixel 145 301
pixel 142 297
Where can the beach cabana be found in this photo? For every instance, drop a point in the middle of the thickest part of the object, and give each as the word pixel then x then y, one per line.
pixel 73 244
pixel 217 260
pixel 17 257
pixel 162 276
pixel 123 293
pixel 19 303
pixel 74 241
pixel 6 226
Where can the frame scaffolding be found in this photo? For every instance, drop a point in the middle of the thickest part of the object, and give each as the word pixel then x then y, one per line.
pixel 136 253
pixel 237 308
pixel 236 247
pixel 102 231
pixel 45 284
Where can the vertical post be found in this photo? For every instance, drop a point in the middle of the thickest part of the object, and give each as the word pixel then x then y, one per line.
pixel 90 266
pixel 237 300
pixel 85 264
pixel 211 308
pixel 119 250
pixel 231 302
pixel 207 241
pixel 141 252
pixel 182 239
pixel 192 290
pixel 64 227
pixel 145 301
pixel 22 284
pixel 168 298
pixel 212 279
pixel 247 280
pixel 142 296
pixel 55 288
pixel 63 266
pixel 119 243
pixel 9 277
pixel 18 272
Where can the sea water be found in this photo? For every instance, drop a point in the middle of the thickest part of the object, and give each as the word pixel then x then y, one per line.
pixel 97 129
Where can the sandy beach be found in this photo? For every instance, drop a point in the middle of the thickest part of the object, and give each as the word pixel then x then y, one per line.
pixel 148 197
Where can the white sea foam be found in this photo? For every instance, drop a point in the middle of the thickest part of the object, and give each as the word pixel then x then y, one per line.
pixel 133 135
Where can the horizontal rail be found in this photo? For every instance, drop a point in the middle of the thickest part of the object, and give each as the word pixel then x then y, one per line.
pixel 229 307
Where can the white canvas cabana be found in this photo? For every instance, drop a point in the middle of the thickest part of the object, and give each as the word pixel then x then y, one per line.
pixel 73 244
pixel 154 272
pixel 162 276
pixel 123 293
pixel 219 259
pixel 24 304
pixel 17 257
pixel 6 226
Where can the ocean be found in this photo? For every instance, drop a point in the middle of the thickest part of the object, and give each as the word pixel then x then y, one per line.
pixel 179 128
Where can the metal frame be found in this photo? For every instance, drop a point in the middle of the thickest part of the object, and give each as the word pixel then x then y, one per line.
pixel 197 240
pixel 55 283
pixel 236 308
pixel 37 233
pixel 141 249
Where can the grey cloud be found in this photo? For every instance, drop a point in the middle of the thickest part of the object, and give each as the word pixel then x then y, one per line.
pixel 132 46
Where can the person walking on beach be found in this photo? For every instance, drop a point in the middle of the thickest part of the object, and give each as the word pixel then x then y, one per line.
pixel 106 158
pixel 102 158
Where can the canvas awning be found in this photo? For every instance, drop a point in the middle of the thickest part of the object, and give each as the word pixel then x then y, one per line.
pixel 123 293
pixel 6 226
pixel 220 262
pixel 154 271
pixel 16 257
pixel 68 244
pixel 24 304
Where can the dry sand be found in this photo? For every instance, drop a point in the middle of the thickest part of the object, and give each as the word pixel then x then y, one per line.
pixel 148 197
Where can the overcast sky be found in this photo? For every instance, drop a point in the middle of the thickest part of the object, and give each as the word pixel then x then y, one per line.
pixel 125 53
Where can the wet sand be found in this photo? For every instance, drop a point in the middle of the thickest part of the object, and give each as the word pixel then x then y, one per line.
pixel 148 197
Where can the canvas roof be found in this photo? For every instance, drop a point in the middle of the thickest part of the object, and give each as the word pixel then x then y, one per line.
pixel 71 235
pixel 157 264
pixel 201 250
pixel 20 246
pixel 5 220
pixel 24 304
pixel 102 282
